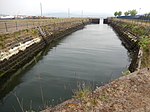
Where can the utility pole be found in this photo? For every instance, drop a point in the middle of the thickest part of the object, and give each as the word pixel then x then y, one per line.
pixel 139 11
pixel 41 9
pixel 82 14
pixel 68 12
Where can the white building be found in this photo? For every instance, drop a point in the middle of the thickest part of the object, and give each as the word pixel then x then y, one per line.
pixel 7 17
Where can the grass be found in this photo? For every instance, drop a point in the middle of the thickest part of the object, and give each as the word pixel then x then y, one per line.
pixel 145 59
pixel 133 26
pixel 88 98
pixel 82 92
pixel 127 72
pixel 103 98
pixel 20 103
pixel 145 43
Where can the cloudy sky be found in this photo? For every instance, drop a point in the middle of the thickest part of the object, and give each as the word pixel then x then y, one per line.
pixel 108 7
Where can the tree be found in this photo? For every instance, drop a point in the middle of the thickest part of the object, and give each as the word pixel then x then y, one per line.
pixel 147 15
pixel 126 13
pixel 116 13
pixel 119 13
pixel 133 12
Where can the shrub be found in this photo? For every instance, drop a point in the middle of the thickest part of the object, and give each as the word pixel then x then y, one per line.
pixel 145 43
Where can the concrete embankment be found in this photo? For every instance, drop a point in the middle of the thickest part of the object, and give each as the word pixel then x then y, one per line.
pixel 129 41
pixel 20 48
pixel 95 20
pixel 135 36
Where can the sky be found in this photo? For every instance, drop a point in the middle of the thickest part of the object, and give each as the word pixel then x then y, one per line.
pixel 99 7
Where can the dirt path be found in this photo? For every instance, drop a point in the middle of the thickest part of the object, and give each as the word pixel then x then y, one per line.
pixel 129 93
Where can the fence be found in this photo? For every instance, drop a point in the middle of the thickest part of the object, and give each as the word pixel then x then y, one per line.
pixel 135 21
pixel 9 26
pixel 14 25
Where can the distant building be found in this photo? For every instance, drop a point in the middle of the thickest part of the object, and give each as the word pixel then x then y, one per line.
pixel 20 17
pixel 7 17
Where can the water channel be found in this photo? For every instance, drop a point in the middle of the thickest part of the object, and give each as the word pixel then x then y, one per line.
pixel 93 55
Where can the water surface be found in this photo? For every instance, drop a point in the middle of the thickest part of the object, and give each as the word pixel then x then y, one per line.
pixel 92 55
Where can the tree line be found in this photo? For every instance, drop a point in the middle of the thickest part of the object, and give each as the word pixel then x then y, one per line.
pixel 127 13
pixel 131 13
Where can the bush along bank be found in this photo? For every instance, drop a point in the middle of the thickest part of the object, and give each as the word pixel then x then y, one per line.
pixel 19 48
pixel 136 38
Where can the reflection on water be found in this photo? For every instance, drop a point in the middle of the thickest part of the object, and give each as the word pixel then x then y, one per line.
pixel 92 55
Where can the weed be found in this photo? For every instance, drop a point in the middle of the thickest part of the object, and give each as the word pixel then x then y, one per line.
pixel 82 92
pixel 127 72
pixel 145 43
pixel 94 101
pixel 16 34
pixel 103 98
pixel 1 45
pixel 146 59
pixel 34 32
pixel 19 102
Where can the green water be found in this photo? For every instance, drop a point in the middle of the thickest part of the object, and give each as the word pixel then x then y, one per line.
pixel 93 55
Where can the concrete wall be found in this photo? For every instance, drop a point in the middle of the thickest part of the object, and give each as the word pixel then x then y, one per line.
pixel 95 20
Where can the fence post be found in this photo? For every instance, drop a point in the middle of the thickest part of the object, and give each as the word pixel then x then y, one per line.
pixel 33 23
pixel 6 27
pixel 39 23
pixel 27 24
pixel 54 26
pixel 16 26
